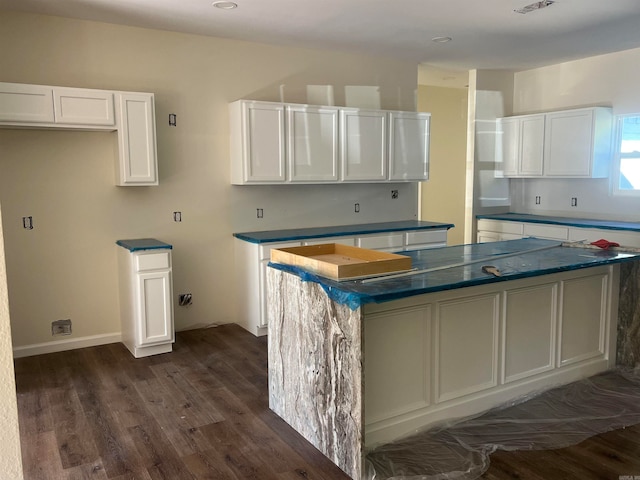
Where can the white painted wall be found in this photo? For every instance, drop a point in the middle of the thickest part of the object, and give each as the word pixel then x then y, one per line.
pixel 490 94
pixel 66 266
pixel 10 459
pixel 608 80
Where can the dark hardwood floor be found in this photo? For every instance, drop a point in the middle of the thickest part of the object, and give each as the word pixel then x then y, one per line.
pixel 201 412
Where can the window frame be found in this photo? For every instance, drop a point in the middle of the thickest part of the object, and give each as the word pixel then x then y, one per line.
pixel 618 156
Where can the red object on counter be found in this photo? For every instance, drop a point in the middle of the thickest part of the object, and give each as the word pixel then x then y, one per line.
pixel 605 244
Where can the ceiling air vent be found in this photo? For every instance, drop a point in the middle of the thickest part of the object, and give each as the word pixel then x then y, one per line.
pixel 534 6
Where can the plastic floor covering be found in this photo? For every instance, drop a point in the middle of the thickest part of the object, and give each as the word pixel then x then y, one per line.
pixel 555 418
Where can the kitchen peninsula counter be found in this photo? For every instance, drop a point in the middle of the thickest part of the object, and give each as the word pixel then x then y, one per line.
pixel 434 346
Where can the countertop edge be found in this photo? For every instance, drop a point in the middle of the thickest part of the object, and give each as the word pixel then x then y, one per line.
pixel 577 222
pixel 139 244
pixel 247 236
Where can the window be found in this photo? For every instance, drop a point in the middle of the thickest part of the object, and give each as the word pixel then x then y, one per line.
pixel 627 156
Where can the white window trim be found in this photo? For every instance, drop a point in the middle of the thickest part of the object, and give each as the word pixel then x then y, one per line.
pixel 617 157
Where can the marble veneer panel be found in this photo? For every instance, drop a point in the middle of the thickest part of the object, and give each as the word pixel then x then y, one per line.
pixel 315 368
pixel 628 348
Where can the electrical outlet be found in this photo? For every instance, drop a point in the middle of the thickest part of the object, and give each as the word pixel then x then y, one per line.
pixel 185 299
pixel 538 199
pixel 356 208
pixel 61 327
pixel 259 213
pixel 27 222
pixel 394 194
pixel 177 216
pixel 574 201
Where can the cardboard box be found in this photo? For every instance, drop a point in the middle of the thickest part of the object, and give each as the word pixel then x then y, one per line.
pixel 341 262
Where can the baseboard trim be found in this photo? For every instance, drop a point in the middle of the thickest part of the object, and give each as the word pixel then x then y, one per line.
pixel 67 344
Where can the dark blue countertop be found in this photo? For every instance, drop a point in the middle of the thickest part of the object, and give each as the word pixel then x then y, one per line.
pixel 567 221
pixel 338 231
pixel 136 244
pixel 528 257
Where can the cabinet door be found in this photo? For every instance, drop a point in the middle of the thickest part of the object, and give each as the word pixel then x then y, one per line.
pixel 156 312
pixel 363 136
pixel 583 318
pixel 137 140
pixel 508 146
pixel 408 146
pixel 26 103
pixel 568 144
pixel 263 142
pixel 312 143
pixel 531 146
pixel 83 106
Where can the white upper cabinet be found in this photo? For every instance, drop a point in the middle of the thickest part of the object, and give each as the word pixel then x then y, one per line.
pixel 83 106
pixel 363 152
pixel 312 149
pixel 508 146
pixel 131 114
pixel 565 144
pixel 275 143
pixel 520 145
pixel 409 146
pixel 578 143
pixel 137 162
pixel 26 103
pixel 531 145
pixel 257 142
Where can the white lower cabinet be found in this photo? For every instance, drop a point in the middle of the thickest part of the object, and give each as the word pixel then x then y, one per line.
pixel 497 230
pixel 146 301
pixel 451 354
pixel 624 238
pixel 252 260
pixel 385 242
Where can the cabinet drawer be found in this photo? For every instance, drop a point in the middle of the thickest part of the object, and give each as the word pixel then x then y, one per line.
pixel 552 232
pixel 375 242
pixel 153 261
pixel 514 228
pixel 341 240
pixel 265 249
pixel 425 236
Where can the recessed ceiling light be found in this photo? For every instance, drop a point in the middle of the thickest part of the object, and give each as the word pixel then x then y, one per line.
pixel 225 5
pixel 441 39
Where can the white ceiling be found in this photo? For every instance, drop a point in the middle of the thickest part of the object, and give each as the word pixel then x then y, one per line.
pixel 487 34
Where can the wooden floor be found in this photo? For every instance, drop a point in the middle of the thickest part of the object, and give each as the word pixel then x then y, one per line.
pixel 201 412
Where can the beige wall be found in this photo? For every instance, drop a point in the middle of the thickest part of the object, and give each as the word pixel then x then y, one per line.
pixel 10 461
pixel 604 80
pixel 66 266
pixel 442 197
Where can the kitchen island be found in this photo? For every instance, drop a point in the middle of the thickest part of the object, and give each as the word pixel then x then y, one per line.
pixel 357 363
